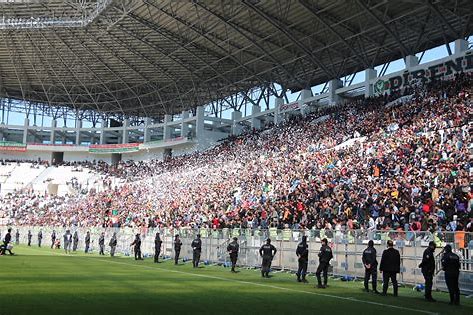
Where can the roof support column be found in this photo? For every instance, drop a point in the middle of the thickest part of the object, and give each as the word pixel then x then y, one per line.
pixel 185 125
pixel 103 138
pixel 125 136
pixel 78 127
pixel 461 46
pixel 370 74
pixel 305 94
pixel 333 85
pixel 147 131
pixel 236 127
pixel 199 123
pixel 167 128
pixel 277 103
pixel 255 122
pixel 411 61
pixel 52 137
pixel 25 130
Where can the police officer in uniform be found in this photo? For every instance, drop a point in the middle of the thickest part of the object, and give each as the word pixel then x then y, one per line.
pixel 102 243
pixel 53 238
pixel 451 266
pixel 40 237
pixel 30 236
pixel 67 241
pixel 390 266
pixel 302 253
pixel 232 250
pixel 17 237
pixel 196 250
pixel 137 247
pixel 157 247
pixel 177 248
pixel 325 255
pixel 87 242
pixel 113 244
pixel 75 241
pixel 267 252
pixel 428 269
pixel 371 266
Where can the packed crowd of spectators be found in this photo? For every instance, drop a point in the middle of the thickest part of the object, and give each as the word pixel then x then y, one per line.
pixel 369 164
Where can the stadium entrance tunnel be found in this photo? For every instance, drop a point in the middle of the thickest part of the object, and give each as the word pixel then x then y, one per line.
pixel 57 158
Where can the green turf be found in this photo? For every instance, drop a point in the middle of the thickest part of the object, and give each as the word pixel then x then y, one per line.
pixel 44 281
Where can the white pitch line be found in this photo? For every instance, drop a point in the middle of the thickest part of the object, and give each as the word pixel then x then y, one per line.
pixel 256 284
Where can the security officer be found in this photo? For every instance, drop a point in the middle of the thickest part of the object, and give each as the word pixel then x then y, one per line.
pixel 232 250
pixel 113 244
pixel 87 242
pixel 67 241
pixel 102 243
pixel 157 247
pixel 30 236
pixel 137 247
pixel 196 250
pixel 390 266
pixel 302 253
pixel 17 237
pixel 53 238
pixel 177 248
pixel 451 266
pixel 40 237
pixel 6 241
pixel 75 241
pixel 267 252
pixel 428 269
pixel 371 266
pixel 325 255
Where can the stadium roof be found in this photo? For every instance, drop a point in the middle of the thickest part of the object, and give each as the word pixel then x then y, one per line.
pixel 152 57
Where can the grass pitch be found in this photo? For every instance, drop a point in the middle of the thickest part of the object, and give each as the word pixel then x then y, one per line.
pixel 44 281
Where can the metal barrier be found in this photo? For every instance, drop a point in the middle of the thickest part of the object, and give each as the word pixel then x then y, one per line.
pixel 347 247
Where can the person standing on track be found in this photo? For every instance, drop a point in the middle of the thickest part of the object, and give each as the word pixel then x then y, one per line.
pixel 87 242
pixel 428 269
pixel 233 249
pixel 102 243
pixel 451 266
pixel 157 247
pixel 75 241
pixel 267 252
pixel 371 267
pixel 53 238
pixel 30 236
pixel 67 241
pixel 6 241
pixel 113 244
pixel 177 249
pixel 390 266
pixel 40 237
pixel 137 247
pixel 302 253
pixel 325 255
pixel 196 251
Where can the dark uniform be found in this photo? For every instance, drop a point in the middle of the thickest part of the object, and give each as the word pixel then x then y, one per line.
pixel 53 238
pixel 302 253
pixel 17 237
pixel 177 249
pixel 371 266
pixel 137 247
pixel 325 255
pixel 390 266
pixel 40 238
pixel 113 244
pixel 428 269
pixel 87 242
pixel 30 236
pixel 451 266
pixel 6 241
pixel 102 244
pixel 196 251
pixel 75 241
pixel 233 249
pixel 157 247
pixel 267 251
pixel 67 241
